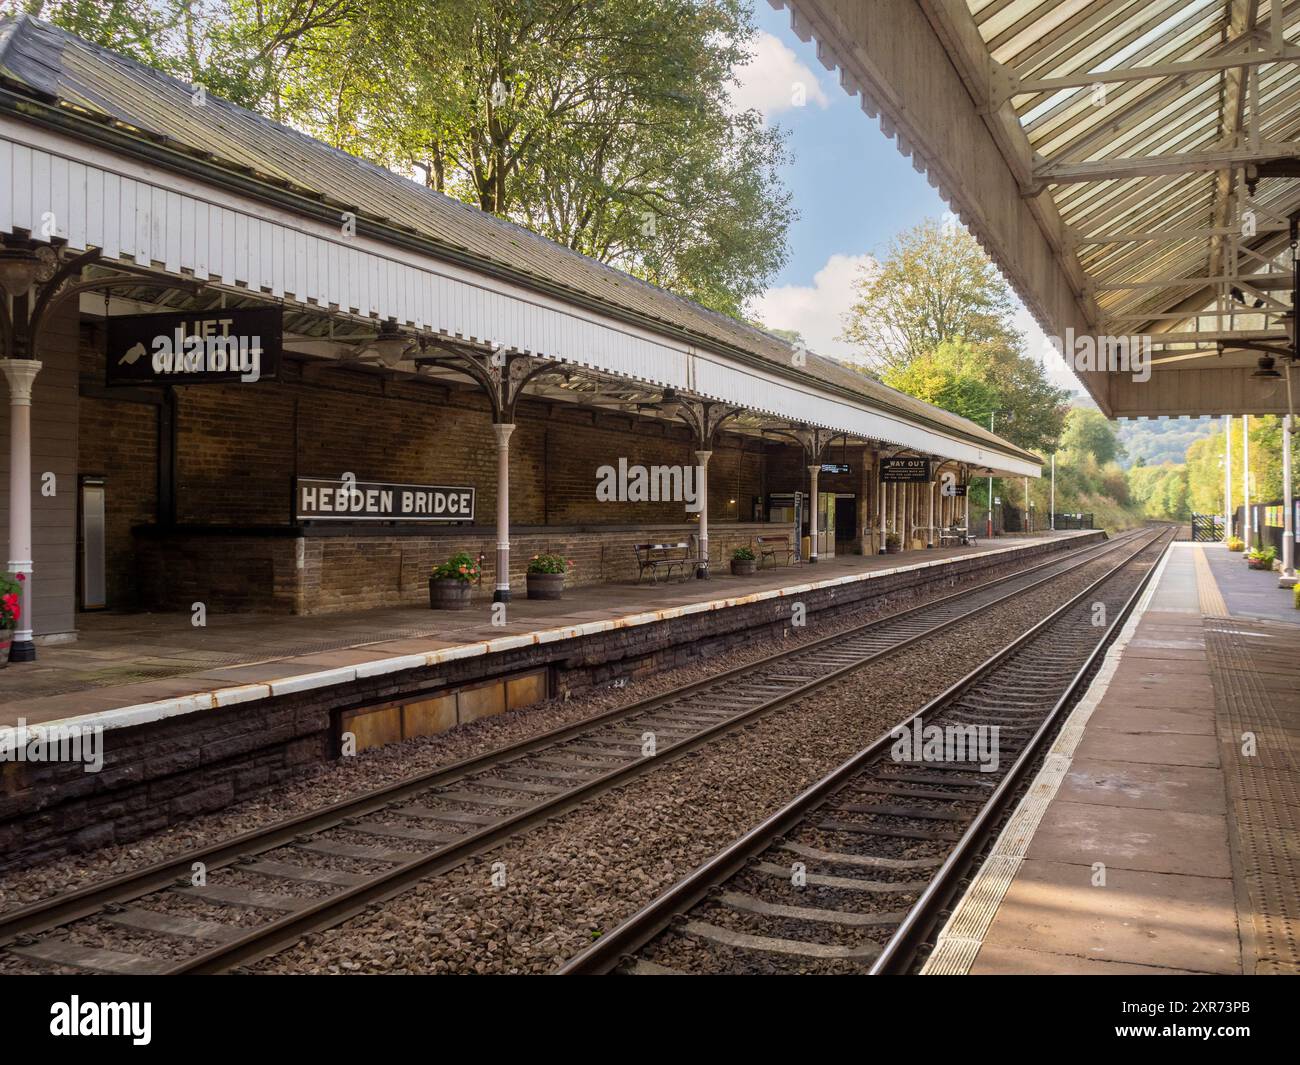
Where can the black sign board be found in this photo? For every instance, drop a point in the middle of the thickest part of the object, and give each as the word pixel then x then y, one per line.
pixel 836 467
pixel 324 499
pixel 202 347
pixel 958 490
pixel 905 470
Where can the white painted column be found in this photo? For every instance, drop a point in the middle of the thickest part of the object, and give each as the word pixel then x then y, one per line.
pixel 1227 476
pixel 1026 523
pixel 1052 505
pixel 966 509
pixel 813 471
pixel 1245 478
pixel 21 375
pixel 1288 577
pixel 929 533
pixel 503 431
pixel 907 516
pixel 702 467
pixel 883 491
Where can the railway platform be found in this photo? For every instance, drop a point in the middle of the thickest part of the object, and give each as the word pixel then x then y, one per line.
pixel 140 666
pixel 1162 832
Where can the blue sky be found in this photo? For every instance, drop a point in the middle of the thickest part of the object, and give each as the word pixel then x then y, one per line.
pixel 852 189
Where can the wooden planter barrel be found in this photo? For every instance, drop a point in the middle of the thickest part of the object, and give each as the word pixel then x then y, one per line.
pixel 6 639
pixel 742 567
pixel 448 593
pixel 546 586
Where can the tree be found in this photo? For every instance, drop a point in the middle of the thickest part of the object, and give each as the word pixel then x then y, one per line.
pixel 1090 432
pixel 934 285
pixel 605 125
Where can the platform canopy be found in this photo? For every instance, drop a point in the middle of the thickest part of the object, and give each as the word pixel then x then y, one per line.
pixel 107 154
pixel 1131 165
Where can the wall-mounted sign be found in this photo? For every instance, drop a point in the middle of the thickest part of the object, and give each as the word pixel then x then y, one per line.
pixel 905 470
pixel 836 467
pixel 323 499
pixel 211 347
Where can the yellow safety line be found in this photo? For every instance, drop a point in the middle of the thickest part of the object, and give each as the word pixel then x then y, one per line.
pixel 1207 588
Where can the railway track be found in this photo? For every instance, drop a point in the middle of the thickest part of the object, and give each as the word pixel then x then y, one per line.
pixel 433 822
pixel 853 875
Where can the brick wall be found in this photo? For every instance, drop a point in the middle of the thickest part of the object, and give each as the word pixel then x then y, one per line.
pixel 120 441
pixel 238 448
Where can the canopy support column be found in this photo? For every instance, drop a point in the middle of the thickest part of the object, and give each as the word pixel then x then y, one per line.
pixel 21 376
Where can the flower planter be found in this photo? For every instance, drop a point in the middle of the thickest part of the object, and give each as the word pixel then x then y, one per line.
pixel 744 567
pixel 546 586
pixel 6 639
pixel 448 593
pixel 1258 564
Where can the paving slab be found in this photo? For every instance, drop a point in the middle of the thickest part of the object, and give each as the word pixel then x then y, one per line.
pixel 1193 789
pixel 1159 920
pixel 1131 837
pixel 1157 748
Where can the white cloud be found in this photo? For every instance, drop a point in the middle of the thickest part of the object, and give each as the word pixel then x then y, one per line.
pixel 1041 348
pixel 816 311
pixel 775 80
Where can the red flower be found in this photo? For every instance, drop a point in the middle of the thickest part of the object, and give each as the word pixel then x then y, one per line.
pixel 21 576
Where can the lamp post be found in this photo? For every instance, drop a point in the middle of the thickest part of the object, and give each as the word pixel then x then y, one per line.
pixel 992 414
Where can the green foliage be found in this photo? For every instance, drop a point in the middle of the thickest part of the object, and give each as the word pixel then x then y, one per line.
pixel 460 567
pixel 933 319
pixel 934 284
pixel 605 126
pixel 1089 432
pixel 1263 556
pixel 10 600
pixel 742 554
pixel 549 564
pixel 1236 543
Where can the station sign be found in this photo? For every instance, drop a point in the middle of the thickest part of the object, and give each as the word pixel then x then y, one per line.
pixel 957 490
pixel 240 346
pixel 905 470
pixel 344 499
pixel 836 467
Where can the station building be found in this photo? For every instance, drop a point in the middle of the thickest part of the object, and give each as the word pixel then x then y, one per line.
pixel 249 370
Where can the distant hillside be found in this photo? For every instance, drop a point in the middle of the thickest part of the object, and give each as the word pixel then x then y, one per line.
pixel 1164 440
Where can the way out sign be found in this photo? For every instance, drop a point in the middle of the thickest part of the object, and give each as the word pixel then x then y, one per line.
pixel 322 499
pixel 905 470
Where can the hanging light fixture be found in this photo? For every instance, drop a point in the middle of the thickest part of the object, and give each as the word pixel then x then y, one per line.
pixel 1264 369
pixel 18 267
pixel 391 346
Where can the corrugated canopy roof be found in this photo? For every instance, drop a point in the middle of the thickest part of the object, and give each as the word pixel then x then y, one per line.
pixel 42 61
pixel 1148 120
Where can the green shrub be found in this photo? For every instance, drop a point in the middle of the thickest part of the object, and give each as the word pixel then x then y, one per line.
pixel 1236 543
pixel 742 554
pixel 460 567
pixel 549 564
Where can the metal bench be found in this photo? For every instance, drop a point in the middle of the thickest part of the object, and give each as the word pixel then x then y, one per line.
pixel 956 535
pixel 774 547
pixel 653 558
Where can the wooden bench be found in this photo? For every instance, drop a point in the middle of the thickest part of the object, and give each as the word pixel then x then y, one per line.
pixel 653 558
pixel 774 547
pixel 956 535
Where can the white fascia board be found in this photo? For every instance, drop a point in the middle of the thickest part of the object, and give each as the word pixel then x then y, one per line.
pixel 148 215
